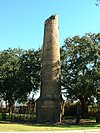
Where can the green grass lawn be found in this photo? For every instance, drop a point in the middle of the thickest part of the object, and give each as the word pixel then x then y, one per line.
pixel 84 124
pixel 24 127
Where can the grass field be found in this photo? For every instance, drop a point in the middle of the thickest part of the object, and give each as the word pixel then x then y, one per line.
pixel 25 127
pixel 69 124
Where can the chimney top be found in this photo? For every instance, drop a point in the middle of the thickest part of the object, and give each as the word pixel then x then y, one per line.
pixel 52 17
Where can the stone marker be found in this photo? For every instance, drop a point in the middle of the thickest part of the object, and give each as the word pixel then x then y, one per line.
pixel 48 107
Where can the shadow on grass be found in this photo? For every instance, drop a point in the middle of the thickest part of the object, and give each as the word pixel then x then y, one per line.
pixel 68 124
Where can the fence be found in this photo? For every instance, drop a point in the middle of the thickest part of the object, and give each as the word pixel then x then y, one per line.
pixel 18 114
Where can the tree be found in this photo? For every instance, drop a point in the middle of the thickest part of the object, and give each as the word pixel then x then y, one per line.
pixel 97 2
pixel 19 74
pixel 9 66
pixel 80 58
pixel 29 74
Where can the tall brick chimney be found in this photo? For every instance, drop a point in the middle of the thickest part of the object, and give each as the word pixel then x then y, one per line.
pixel 48 109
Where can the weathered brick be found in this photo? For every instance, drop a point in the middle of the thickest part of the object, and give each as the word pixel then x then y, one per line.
pixel 48 108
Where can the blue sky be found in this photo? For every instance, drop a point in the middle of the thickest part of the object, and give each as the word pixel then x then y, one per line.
pixel 22 21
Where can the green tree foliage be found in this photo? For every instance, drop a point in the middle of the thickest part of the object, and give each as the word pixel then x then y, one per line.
pixel 19 74
pixel 97 2
pixel 9 67
pixel 29 74
pixel 80 58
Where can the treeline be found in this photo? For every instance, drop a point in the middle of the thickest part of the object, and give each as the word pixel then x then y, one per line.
pixel 80 72
pixel 19 74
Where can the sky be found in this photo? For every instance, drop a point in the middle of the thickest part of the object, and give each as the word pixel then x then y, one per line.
pixel 22 21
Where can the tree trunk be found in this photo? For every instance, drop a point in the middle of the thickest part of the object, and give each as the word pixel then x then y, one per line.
pixel 84 107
